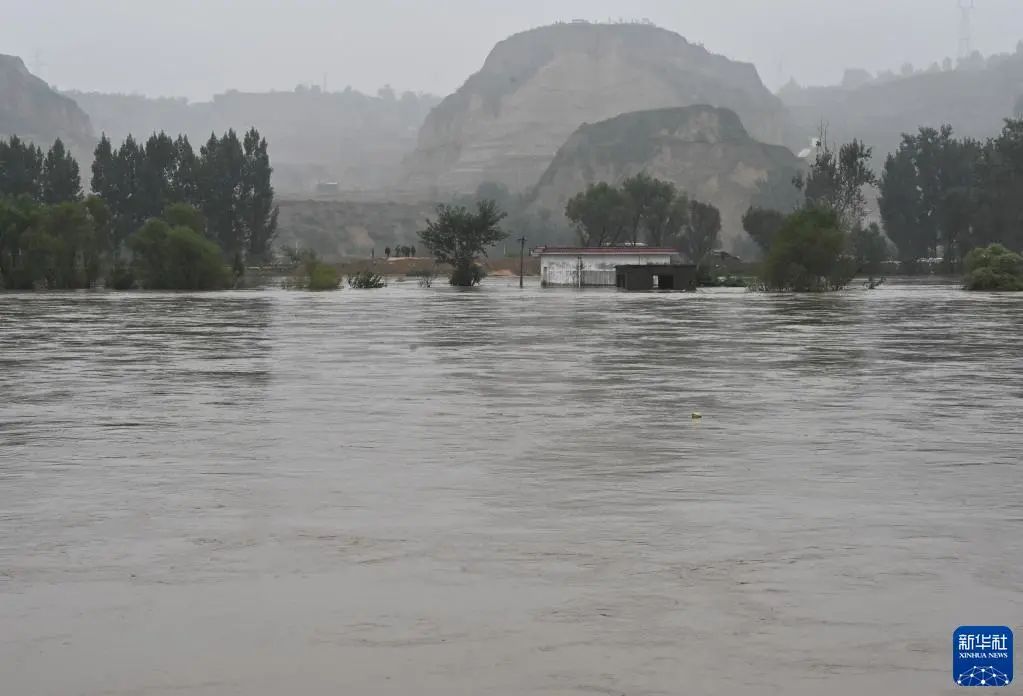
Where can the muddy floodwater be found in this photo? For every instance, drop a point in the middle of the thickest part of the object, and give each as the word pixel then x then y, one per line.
pixel 421 491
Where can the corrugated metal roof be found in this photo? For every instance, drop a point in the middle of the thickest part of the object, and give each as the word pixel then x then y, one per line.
pixel 603 251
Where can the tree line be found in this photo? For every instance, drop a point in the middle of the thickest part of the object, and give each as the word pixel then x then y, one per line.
pixel 959 200
pixel 214 205
pixel 645 210
pixel 942 196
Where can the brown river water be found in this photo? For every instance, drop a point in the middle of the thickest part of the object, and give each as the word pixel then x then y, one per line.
pixel 424 491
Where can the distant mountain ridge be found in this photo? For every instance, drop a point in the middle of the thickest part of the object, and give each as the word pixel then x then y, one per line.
pixel 507 121
pixel 974 98
pixel 348 138
pixel 33 111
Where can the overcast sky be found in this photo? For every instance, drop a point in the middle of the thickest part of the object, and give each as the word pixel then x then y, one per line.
pixel 196 48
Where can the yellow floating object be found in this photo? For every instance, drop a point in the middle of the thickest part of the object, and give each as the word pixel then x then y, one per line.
pixel 697 415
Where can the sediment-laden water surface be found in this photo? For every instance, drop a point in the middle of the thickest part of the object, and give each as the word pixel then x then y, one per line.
pixel 412 491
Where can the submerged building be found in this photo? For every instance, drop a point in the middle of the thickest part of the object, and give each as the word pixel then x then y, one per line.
pixel 674 278
pixel 594 267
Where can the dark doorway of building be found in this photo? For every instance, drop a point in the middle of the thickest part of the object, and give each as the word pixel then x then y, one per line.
pixel 664 282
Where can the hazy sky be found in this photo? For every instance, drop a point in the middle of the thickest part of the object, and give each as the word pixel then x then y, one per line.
pixel 196 48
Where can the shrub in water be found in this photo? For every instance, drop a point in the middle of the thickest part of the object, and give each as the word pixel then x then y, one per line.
pixel 994 268
pixel 176 258
pixel 366 280
pixel 467 277
pixel 323 277
pixel 807 254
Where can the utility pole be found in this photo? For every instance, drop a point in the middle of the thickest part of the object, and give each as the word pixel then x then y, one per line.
pixel 522 261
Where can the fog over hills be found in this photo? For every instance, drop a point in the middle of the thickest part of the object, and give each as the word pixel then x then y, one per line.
pixel 973 96
pixel 508 120
pixel 348 138
pixel 30 109
pixel 531 99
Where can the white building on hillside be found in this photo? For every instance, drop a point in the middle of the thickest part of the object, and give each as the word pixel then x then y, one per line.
pixel 594 267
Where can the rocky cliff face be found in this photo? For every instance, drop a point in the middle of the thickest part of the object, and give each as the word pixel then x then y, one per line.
pixel 704 150
pixel 33 111
pixel 536 88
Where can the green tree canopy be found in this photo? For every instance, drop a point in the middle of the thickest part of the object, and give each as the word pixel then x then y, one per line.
pixel 807 254
pixel 700 235
pixel 185 215
pixel 21 169
pixel 762 225
pixel 459 237
pixel 836 181
pixel 57 247
pixel 176 258
pixel 229 182
pixel 994 268
pixel 600 213
pixel 61 181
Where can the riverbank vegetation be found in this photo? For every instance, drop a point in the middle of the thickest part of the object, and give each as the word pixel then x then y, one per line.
pixel 942 196
pixel 994 268
pixel 939 197
pixel 161 216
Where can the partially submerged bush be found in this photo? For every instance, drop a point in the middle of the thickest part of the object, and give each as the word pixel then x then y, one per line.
pixel 366 280
pixel 808 254
pixel 311 274
pixel 467 277
pixel 176 258
pixel 323 277
pixel 994 268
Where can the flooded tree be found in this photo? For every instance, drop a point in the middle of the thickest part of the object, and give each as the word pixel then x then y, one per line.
pixel 700 234
pixel 836 181
pixel 459 237
pixel 176 258
pixel 808 254
pixel 600 214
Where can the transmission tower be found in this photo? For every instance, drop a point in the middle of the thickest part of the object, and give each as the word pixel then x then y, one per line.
pixel 966 28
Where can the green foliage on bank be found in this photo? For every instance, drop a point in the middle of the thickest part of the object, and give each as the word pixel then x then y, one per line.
pixel 163 217
pixel 994 268
pixel 944 196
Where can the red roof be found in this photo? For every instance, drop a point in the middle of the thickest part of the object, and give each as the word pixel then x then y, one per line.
pixel 616 251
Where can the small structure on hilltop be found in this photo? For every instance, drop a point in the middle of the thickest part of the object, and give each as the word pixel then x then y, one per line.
pixel 594 267
pixel 670 278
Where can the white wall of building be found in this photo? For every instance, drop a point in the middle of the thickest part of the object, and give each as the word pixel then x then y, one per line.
pixel 598 270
